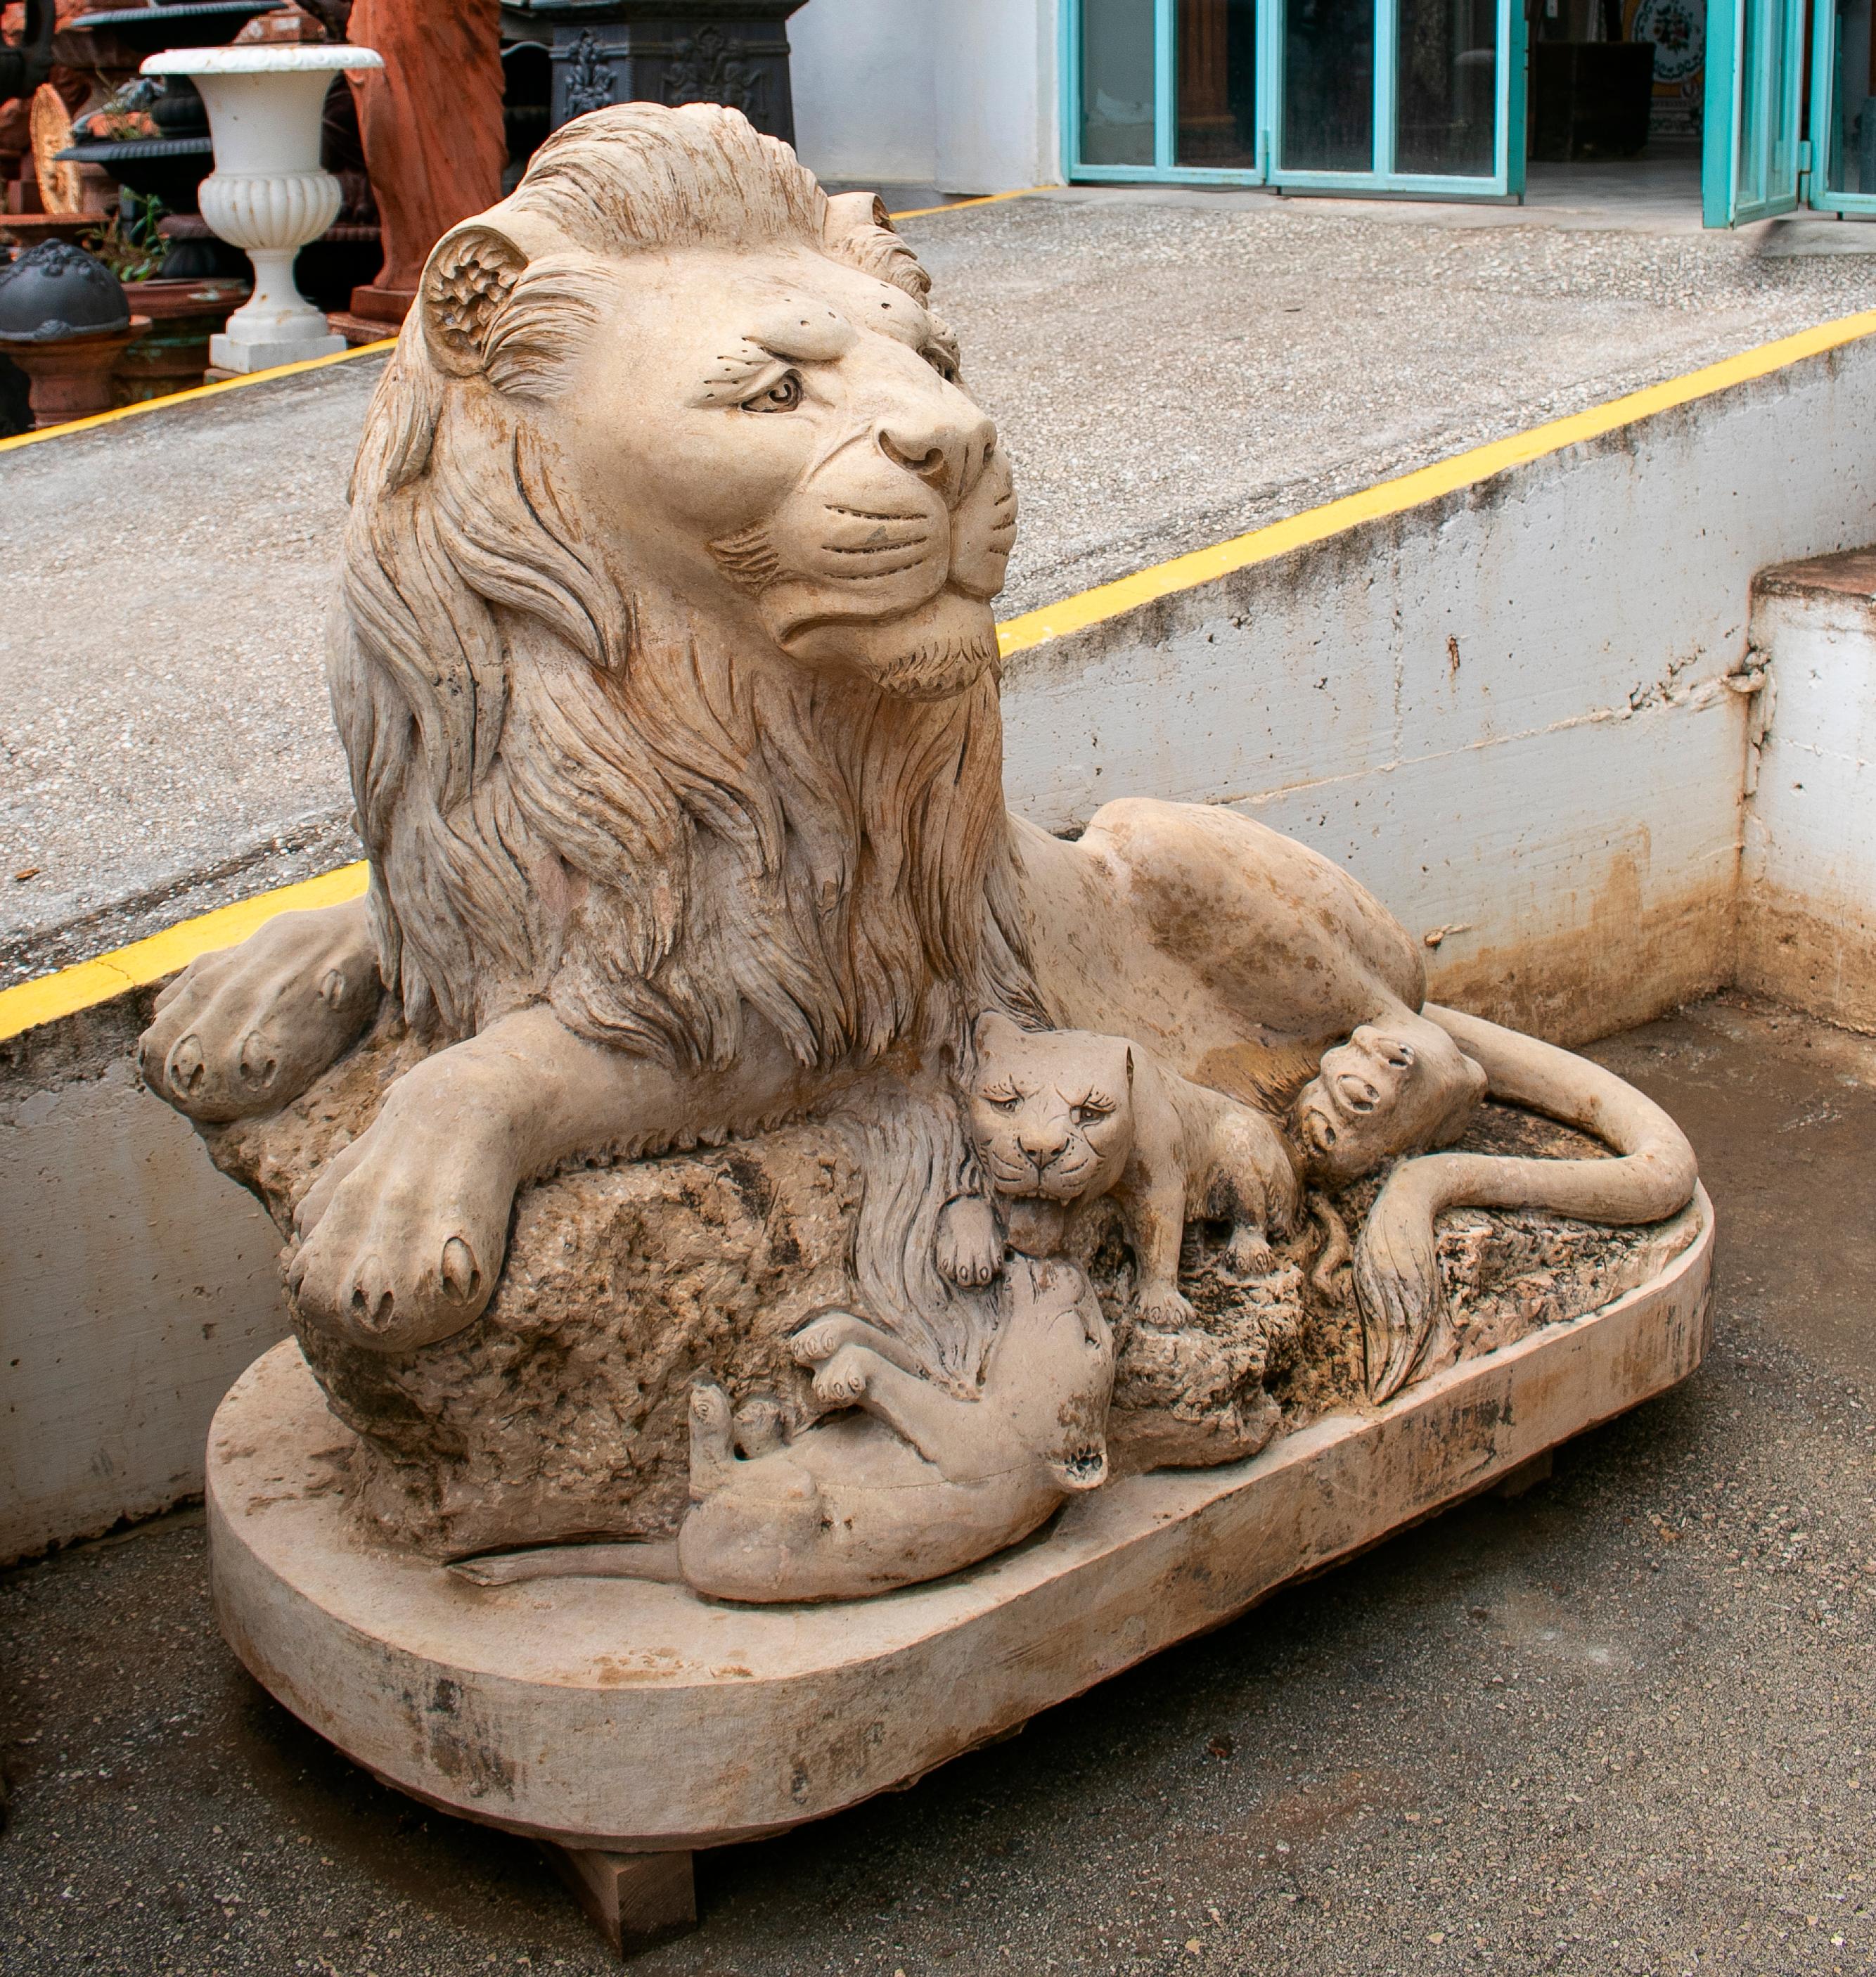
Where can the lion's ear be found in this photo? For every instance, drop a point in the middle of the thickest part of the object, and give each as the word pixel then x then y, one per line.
pixel 853 212
pixel 471 272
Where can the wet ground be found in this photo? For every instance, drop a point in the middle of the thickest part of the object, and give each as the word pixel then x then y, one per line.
pixel 1626 1722
pixel 1168 369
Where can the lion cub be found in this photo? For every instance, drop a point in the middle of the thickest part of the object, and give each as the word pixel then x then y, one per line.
pixel 1061 1118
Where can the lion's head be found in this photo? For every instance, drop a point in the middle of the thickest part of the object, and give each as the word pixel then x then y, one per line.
pixel 664 657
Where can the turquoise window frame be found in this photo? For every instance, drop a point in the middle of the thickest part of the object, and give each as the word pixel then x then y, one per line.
pixel 1505 182
pixel 1825 197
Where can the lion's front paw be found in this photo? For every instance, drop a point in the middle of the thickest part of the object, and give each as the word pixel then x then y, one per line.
pixel 842 1381
pixel 1166 1309
pixel 967 1247
pixel 402 1240
pixel 247 1030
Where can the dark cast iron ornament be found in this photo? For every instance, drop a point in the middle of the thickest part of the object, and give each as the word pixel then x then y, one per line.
pixel 729 51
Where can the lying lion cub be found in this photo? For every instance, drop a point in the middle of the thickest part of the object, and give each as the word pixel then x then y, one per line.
pixel 1062 1117
pixel 914 1482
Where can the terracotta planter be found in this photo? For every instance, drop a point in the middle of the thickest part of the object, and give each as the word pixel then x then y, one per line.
pixel 175 354
pixel 72 377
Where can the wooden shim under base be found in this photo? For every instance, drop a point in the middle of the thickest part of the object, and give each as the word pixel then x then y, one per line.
pixel 634 1900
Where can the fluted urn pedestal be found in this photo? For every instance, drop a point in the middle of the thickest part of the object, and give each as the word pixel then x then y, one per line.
pixel 267 195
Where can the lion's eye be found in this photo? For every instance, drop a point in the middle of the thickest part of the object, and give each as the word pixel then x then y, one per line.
pixel 1092 1108
pixel 1004 1102
pixel 783 396
pixel 945 365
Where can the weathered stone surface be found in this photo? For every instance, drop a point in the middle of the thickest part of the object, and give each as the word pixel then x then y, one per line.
pixel 563 1413
pixel 631 1714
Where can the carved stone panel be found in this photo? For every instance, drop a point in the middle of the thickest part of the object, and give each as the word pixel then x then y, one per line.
pixel 607 51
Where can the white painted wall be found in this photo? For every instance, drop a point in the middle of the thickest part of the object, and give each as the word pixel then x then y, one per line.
pixel 1569 793
pixel 957 93
pixel 862 71
pixel 997 96
pixel 1807 929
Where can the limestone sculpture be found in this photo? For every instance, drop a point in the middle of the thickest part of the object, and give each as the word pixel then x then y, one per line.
pixel 713 1123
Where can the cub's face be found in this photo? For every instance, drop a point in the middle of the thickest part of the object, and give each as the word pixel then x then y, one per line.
pixel 1392 1088
pixel 1050 1111
pixel 781 438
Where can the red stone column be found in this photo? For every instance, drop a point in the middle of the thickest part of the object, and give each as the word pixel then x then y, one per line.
pixel 431 121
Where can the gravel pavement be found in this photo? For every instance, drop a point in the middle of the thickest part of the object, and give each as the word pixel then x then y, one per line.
pixel 1623 1723
pixel 1167 370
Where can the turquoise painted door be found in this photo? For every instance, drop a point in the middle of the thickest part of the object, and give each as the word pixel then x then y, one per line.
pixel 1754 156
pixel 1345 96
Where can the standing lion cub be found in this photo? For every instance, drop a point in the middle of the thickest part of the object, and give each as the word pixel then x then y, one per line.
pixel 1061 1118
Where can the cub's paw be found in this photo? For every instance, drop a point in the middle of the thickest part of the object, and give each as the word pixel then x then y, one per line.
pixel 1247 1256
pixel 822 1337
pixel 246 1030
pixel 967 1247
pixel 402 1240
pixel 842 1381
pixel 761 1426
pixel 1165 1310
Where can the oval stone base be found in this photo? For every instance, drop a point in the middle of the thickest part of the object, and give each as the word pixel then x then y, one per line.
pixel 631 1714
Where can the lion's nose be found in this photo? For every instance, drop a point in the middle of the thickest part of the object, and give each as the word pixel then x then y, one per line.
pixel 947 453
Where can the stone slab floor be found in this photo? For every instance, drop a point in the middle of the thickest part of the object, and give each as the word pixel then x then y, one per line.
pixel 1624 1723
pixel 1169 367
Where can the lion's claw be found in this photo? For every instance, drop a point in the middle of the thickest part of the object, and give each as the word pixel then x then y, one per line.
pixel 1165 1311
pixel 968 1246
pixel 401 1242
pixel 246 1030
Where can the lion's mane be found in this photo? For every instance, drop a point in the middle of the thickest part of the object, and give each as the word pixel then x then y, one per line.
pixel 572 795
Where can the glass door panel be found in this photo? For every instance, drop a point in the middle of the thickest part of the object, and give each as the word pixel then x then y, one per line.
pixel 1843 109
pixel 1118 78
pixel 1446 121
pixel 1218 104
pixel 1754 93
pixel 1412 96
pixel 1328 86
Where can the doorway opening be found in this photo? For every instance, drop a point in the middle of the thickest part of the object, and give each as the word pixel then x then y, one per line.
pixel 1729 111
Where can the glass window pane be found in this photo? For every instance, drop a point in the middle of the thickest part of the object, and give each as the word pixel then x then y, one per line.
pixel 1750 185
pixel 1117 82
pixel 1853 111
pixel 1328 85
pixel 1217 83
pixel 1785 24
pixel 1448 99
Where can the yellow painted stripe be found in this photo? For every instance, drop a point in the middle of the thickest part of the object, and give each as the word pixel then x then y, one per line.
pixel 90 982
pixel 958 205
pixel 197 391
pixel 146 961
pixel 1411 490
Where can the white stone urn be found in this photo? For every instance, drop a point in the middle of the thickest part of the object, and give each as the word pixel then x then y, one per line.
pixel 267 194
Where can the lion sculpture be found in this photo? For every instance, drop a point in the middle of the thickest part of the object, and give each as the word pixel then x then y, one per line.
pixel 665 665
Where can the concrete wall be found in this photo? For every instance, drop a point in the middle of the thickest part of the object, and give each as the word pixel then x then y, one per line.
pixel 962 95
pixel 1505 709
pixel 135 1284
pixel 1808 893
